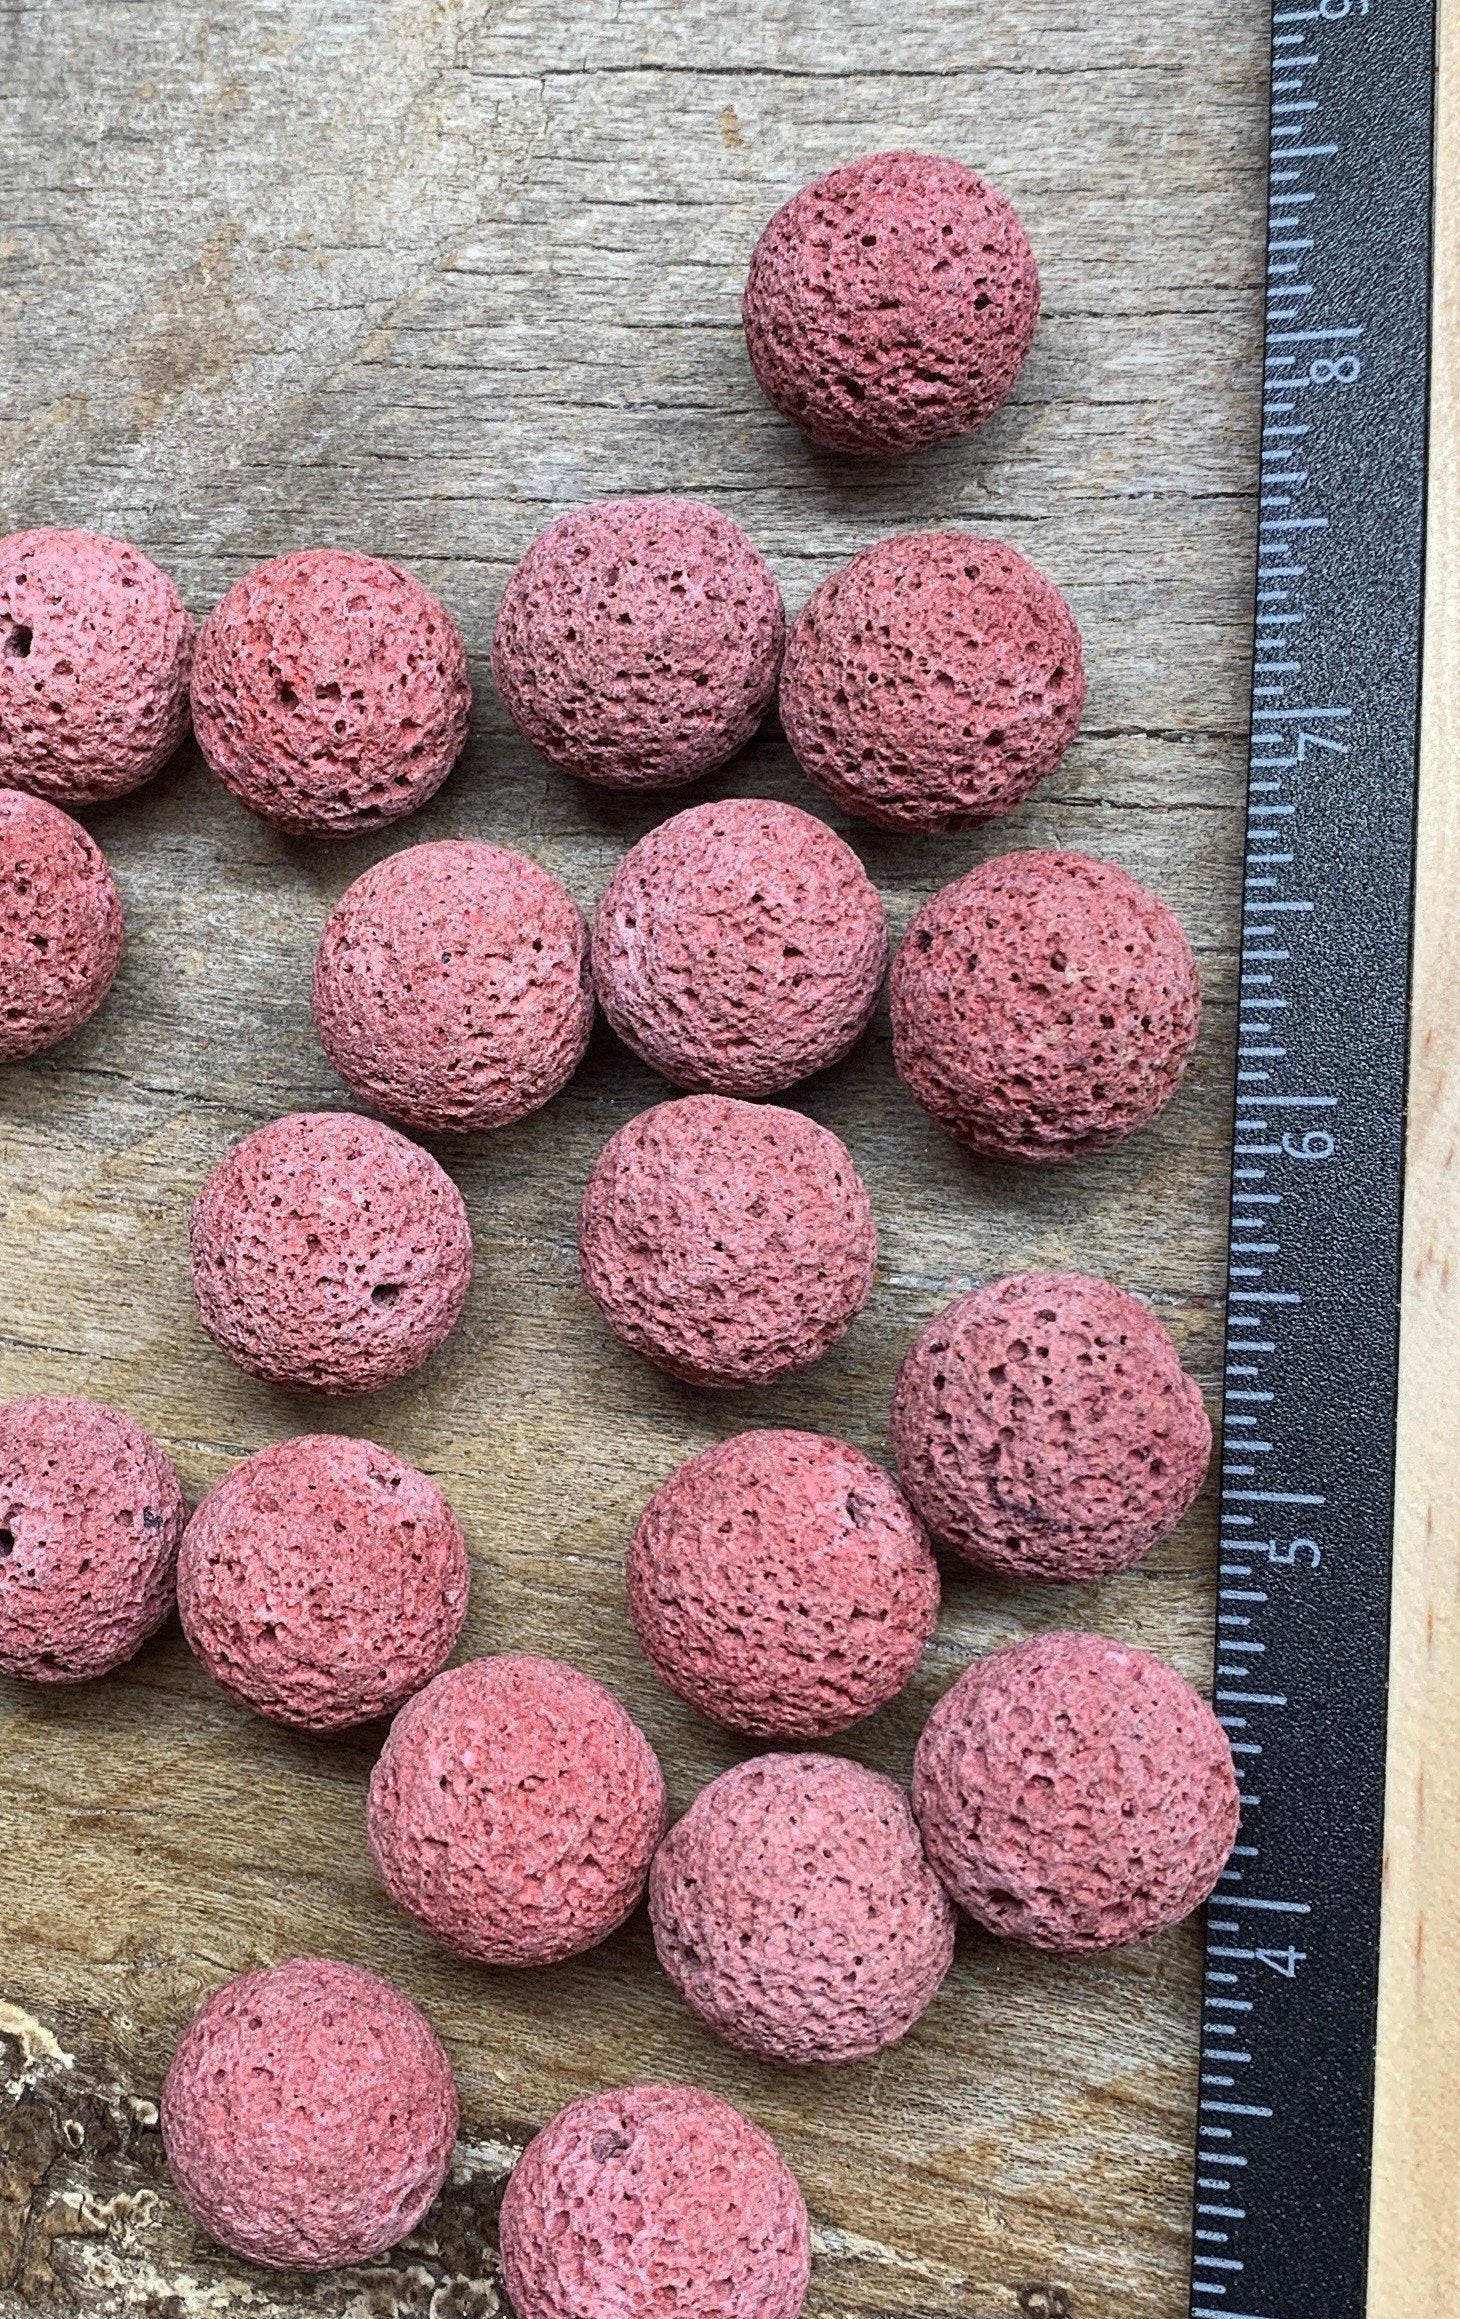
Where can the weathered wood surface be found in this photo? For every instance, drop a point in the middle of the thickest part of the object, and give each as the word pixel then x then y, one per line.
pixel 415 276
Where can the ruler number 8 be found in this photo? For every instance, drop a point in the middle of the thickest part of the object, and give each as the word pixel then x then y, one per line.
pixel 1335 10
pixel 1335 370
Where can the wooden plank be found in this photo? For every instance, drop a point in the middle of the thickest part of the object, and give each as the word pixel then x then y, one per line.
pixel 1415 2221
pixel 414 276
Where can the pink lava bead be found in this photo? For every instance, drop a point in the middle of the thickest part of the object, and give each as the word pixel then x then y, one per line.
pixel 932 682
pixel 514 1811
pixel 452 986
pixel 639 642
pixel 60 926
pixel 891 303
pixel 1044 1007
pixel 1045 1429
pixel 329 1254
pixel 781 1584
pixel 90 1518
pixel 794 1910
pixel 322 1582
pixel 330 692
pixel 654 2200
pixel 1075 1794
pixel 95 648
pixel 740 947
pixel 727 1242
pixel 309 2116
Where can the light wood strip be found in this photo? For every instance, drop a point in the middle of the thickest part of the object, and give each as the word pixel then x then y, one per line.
pixel 1415 2240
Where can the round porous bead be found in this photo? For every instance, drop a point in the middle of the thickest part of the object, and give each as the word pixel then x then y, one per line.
pixel 1075 1794
pixel 322 1582
pixel 1045 1429
pixel 1044 1007
pixel 329 1254
pixel 727 1242
pixel 309 2116
pixel 639 642
pixel 795 1912
pixel 452 986
pixel 932 682
pixel 653 2200
pixel 890 304
pixel 781 1584
pixel 330 692
pixel 90 1519
pixel 60 926
pixel 514 1811
pixel 95 648
pixel 739 947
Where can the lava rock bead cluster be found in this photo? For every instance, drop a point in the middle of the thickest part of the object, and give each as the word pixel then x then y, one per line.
pixel 1070 1794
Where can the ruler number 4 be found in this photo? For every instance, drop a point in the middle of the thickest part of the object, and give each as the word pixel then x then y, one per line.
pixel 1284 1961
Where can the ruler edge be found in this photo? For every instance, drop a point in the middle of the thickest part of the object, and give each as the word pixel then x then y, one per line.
pixel 1414 2216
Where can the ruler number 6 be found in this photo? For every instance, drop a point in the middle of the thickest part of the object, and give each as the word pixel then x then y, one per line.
pixel 1317 1144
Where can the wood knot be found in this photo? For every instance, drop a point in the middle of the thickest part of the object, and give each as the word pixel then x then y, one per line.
pixel 1045 2302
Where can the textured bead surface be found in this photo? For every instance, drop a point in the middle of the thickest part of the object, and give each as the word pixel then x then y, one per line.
pixel 309 2115
pixel 1075 1794
pixel 514 1811
pixel 1044 1006
pixel 931 682
pixel 650 2201
pixel 330 692
pixel 452 986
pixel 727 1242
pixel 323 1581
pixel 95 649
pixel 90 1518
pixel 781 1584
pixel 329 1254
pixel 890 304
pixel 639 642
pixel 796 1913
pixel 1044 1428
pixel 739 947
pixel 60 926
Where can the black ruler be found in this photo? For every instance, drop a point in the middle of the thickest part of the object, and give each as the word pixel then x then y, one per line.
pixel 1292 1933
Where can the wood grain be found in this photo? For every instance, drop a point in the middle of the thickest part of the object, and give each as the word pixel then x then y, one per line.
pixel 414 275
pixel 1415 2227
